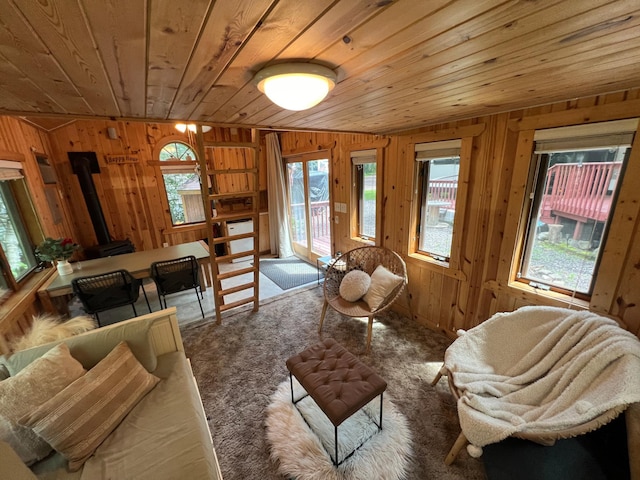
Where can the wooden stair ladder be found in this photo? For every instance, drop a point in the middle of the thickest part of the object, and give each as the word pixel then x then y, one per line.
pixel 212 198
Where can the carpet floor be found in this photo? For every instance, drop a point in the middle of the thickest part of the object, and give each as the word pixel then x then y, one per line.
pixel 288 273
pixel 240 363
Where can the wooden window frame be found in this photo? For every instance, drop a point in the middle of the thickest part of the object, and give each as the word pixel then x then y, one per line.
pixel 357 186
pixel 175 166
pixel 30 222
pixel 623 221
pixel 533 197
pixel 353 202
pixel 466 136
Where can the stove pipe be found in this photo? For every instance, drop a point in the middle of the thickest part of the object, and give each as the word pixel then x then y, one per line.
pixel 83 165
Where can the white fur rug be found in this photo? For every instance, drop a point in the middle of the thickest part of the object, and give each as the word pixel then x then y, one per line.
pixel 300 452
pixel 47 328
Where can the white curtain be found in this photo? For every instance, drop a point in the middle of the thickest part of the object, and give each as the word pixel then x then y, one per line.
pixel 279 227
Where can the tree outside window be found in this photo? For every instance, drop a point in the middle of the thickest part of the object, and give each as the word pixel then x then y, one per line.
pixel 16 246
pixel 181 183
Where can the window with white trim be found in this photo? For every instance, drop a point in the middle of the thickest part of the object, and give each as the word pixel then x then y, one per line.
pixel 181 183
pixel 364 176
pixel 438 169
pixel 572 190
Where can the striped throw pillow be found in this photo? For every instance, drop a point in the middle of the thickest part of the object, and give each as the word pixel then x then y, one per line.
pixel 28 390
pixel 79 418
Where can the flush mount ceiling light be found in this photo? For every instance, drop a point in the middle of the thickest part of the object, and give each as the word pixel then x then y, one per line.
pixel 183 127
pixel 296 86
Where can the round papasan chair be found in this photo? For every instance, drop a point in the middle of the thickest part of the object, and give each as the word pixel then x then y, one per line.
pixel 388 273
pixel 541 374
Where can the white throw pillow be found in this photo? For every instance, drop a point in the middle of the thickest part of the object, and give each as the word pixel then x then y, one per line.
pixel 354 285
pixel 28 390
pixel 383 282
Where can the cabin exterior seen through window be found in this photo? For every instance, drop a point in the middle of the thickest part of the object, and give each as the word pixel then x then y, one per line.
pixel 573 185
pixel 364 187
pixel 438 165
pixel 181 183
pixel 16 245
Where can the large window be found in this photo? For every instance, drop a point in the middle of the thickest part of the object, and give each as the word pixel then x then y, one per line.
pixel 16 248
pixel 572 191
pixel 438 168
pixel 181 183
pixel 364 192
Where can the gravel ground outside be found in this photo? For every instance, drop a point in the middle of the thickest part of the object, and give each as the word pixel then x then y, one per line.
pixel 550 264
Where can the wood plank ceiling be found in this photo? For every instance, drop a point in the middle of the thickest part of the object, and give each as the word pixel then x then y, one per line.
pixel 401 64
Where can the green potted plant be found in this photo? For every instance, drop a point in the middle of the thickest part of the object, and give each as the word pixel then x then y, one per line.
pixel 58 251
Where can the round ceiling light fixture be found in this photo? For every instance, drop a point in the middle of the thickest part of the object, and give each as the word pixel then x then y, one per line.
pixel 296 86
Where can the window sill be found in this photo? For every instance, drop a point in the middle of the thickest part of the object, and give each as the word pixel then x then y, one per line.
pixel 529 293
pixel 363 241
pixel 185 228
pixel 441 267
pixel 19 301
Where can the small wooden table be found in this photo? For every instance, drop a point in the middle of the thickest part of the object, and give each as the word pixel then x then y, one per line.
pixel 137 263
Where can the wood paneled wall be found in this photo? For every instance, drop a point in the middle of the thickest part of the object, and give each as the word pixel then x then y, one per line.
pixel 20 141
pixel 442 298
pixel 448 299
pixel 132 195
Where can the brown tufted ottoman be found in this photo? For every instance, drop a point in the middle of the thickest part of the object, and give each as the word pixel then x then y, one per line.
pixel 338 382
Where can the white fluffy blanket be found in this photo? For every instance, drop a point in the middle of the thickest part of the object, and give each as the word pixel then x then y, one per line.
pixel 541 370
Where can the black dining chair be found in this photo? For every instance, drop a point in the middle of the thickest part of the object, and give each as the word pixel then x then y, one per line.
pixel 177 275
pixel 99 293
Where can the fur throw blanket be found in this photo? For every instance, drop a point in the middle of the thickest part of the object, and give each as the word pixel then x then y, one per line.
pixel 539 371
pixel 49 328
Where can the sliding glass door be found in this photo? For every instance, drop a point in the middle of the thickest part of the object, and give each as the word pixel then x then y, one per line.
pixel 309 205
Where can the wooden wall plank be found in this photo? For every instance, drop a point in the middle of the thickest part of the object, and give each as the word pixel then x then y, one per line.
pixel 173 34
pixel 119 31
pixel 441 299
pixel 25 53
pixel 68 37
pixel 282 25
pixel 132 195
pixel 225 30
pixel 468 66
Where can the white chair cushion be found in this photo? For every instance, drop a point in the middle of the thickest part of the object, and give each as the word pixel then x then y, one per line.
pixel 354 285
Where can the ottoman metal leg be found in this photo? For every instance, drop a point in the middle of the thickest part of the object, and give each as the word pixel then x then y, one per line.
pixel 291 382
pixel 335 462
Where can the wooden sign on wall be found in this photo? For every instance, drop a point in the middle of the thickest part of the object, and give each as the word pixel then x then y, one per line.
pixel 118 159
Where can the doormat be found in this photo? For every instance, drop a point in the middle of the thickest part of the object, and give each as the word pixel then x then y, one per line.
pixel 288 272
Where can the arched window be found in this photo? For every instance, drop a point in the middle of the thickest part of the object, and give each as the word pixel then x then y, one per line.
pixel 181 183
pixel 177 151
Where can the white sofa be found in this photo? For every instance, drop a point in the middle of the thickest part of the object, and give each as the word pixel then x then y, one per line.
pixel 165 436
